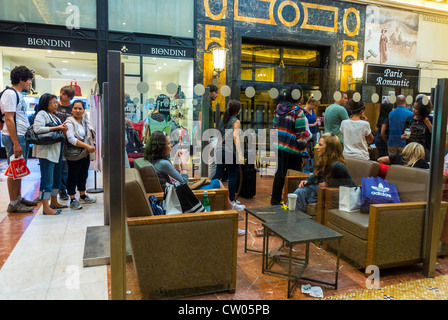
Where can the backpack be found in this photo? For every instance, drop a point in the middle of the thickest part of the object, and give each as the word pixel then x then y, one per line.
pixel 156 206
pixel 1 112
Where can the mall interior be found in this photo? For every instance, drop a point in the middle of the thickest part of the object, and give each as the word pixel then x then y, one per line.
pixel 132 59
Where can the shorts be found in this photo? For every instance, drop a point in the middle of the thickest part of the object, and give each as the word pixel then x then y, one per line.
pixel 9 146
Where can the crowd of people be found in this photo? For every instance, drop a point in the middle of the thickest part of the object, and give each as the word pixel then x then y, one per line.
pixel 403 137
pixel 63 164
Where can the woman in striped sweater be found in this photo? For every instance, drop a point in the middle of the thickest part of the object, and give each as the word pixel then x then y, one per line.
pixel 290 123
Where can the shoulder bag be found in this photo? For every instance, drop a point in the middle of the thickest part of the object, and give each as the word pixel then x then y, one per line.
pixel 50 137
pixel 71 152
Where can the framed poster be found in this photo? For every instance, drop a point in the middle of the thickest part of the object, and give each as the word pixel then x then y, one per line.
pixel 391 37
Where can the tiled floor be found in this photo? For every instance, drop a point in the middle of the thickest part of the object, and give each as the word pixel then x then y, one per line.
pixel 41 257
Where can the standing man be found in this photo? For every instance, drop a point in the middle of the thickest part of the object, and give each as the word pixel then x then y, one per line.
pixel 334 115
pixel 16 123
pixel 397 120
pixel 64 111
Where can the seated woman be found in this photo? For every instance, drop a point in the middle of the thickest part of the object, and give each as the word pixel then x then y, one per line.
pixel 413 155
pixel 158 150
pixel 330 171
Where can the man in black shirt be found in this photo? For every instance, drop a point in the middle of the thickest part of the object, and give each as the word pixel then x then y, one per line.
pixel 64 111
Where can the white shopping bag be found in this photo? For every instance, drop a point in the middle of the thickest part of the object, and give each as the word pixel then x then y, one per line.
pixel 349 198
pixel 171 202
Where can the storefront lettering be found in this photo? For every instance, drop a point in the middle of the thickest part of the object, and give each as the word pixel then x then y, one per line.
pixel 49 43
pixel 169 52
pixel 388 73
pixel 394 77
pixel 380 81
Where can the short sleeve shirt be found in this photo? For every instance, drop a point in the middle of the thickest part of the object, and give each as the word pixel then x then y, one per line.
pixel 8 103
pixel 355 143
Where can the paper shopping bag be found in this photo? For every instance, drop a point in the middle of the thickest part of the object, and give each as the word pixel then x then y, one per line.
pixel 349 198
pixel 18 167
pixel 376 190
pixel 171 202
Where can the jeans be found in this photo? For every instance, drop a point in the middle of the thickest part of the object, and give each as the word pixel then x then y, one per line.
pixel 78 172
pixel 231 171
pixel 305 195
pixel 285 161
pixel 50 178
pixel 9 146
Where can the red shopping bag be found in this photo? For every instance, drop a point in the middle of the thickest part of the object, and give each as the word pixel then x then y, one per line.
pixel 18 167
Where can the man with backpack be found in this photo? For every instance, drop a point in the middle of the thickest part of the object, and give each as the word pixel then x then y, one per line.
pixel 15 122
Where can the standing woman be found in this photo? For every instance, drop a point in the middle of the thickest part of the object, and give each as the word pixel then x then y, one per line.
pixel 313 124
pixel 77 152
pixel 50 156
pixel 357 133
pixel 229 127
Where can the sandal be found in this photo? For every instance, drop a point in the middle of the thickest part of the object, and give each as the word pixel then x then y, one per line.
pixel 59 207
pixel 49 214
pixel 259 232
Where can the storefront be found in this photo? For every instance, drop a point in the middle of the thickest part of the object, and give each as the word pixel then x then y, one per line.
pixel 63 41
pixel 271 44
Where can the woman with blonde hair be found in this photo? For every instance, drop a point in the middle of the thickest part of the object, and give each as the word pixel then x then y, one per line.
pixel 413 155
pixel 330 171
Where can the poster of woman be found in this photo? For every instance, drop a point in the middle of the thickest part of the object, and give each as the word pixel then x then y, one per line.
pixel 391 37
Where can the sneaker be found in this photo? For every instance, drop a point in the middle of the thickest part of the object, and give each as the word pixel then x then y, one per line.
pixel 74 204
pixel 19 207
pixel 241 232
pixel 29 203
pixel 63 195
pixel 238 207
pixel 87 199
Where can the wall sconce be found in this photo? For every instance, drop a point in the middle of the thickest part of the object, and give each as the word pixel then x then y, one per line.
pixel 357 69
pixel 219 57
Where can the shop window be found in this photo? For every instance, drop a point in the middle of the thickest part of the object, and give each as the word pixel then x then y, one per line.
pixel 53 12
pixel 259 53
pixel 168 17
pixel 299 57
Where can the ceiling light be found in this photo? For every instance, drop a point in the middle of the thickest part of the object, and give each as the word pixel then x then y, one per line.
pixel 48 51
pixel 65 61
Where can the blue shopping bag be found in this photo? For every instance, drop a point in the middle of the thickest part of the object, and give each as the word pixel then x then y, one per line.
pixel 376 190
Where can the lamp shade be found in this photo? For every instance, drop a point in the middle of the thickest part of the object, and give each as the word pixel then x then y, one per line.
pixel 357 69
pixel 219 58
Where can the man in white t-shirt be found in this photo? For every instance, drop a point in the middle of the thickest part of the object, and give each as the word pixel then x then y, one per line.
pixel 13 107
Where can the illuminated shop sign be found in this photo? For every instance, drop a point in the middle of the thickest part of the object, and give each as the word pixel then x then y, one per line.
pixel 41 42
pixel 392 76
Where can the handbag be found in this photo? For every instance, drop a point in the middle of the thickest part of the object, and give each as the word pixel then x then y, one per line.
pixel 74 85
pixel 43 138
pixel 156 206
pixel 349 198
pixel 72 152
pixel 47 138
pixel 376 190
